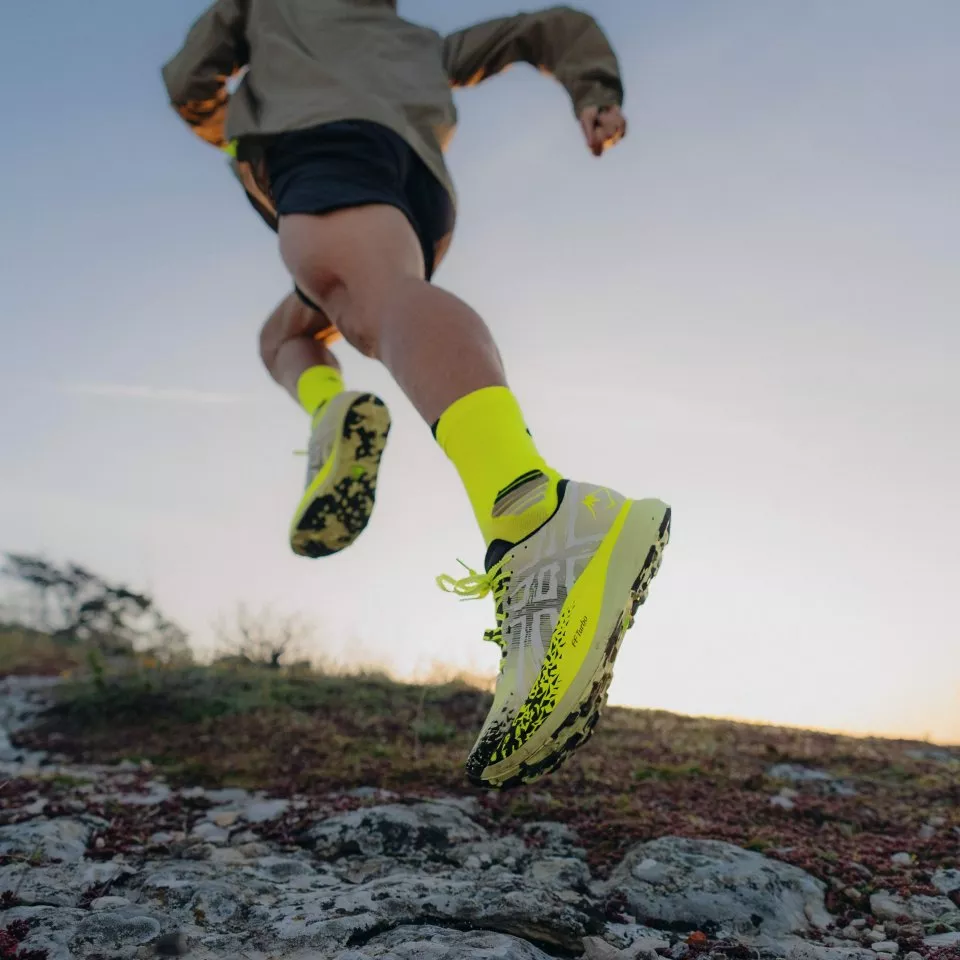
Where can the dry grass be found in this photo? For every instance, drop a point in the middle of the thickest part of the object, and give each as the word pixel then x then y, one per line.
pixel 645 774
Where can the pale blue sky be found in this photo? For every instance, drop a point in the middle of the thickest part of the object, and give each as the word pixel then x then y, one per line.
pixel 750 309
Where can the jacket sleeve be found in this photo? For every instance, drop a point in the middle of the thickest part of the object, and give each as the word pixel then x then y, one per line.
pixel 561 41
pixel 196 78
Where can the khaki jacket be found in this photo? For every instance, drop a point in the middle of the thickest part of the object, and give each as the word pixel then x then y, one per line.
pixel 310 62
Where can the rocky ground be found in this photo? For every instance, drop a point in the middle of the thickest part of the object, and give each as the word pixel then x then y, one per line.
pixel 130 859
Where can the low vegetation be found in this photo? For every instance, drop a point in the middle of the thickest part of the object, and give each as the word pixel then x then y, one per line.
pixel 840 807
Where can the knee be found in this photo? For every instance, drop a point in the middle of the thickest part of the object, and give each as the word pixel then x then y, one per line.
pixel 354 304
pixel 361 331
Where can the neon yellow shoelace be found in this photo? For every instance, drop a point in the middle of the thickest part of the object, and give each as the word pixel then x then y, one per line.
pixel 476 586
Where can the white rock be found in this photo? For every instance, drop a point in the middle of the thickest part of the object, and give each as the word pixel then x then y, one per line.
pixel 109 903
pixel 946 881
pixel 210 832
pixel 596 948
pixel 943 939
pixel 886 946
pixel 263 810
pixel 784 802
pixel 437 943
pixel 889 906
pixel 422 829
pixel 675 881
pixel 902 859
pixel 804 950
pixel 156 794
pixel 797 774
pixel 60 839
pixel 227 855
pixel 115 929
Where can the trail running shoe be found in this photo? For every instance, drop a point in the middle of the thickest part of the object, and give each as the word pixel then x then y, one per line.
pixel 565 597
pixel 343 460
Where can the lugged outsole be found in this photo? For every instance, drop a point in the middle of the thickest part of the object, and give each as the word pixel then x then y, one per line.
pixel 580 723
pixel 339 514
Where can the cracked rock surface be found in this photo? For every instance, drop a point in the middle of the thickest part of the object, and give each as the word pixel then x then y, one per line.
pixel 221 874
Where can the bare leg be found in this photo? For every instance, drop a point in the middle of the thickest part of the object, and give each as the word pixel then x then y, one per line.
pixel 288 345
pixel 364 267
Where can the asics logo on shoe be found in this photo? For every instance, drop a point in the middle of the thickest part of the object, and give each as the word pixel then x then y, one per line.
pixel 597 499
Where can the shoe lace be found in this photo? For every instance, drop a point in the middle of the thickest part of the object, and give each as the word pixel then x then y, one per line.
pixel 476 586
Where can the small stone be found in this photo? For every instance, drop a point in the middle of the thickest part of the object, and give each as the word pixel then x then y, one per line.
pixel 785 803
pixel 115 930
pixel 937 821
pixel 109 903
pixel 254 849
pixel 245 836
pixel 943 939
pixel 227 819
pixel 913 955
pixel 472 863
pixel 198 851
pixel 210 832
pixel 946 881
pixel 850 932
pixel 263 810
pixel 902 859
pixel 927 832
pixel 596 948
pixel 874 936
pixel 858 924
pixel 226 855
pixel 886 946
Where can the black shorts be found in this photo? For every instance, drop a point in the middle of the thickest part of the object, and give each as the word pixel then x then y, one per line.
pixel 353 163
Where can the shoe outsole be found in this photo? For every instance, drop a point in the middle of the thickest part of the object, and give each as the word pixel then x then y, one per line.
pixel 341 507
pixel 578 727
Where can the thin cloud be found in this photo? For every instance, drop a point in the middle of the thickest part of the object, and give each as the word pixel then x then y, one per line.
pixel 162 394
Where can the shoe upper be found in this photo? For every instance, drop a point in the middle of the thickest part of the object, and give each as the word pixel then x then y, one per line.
pixel 530 584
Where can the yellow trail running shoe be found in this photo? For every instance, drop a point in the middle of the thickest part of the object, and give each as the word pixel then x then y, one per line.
pixel 343 461
pixel 565 597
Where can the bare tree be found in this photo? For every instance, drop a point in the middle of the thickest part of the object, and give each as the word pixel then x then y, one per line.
pixel 263 639
pixel 74 605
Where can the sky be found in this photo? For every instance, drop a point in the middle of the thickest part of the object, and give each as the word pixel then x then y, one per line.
pixel 750 309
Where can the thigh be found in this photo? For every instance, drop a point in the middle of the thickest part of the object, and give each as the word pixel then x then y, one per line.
pixel 341 192
pixel 350 262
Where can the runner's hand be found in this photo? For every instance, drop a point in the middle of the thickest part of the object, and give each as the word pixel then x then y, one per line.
pixel 603 127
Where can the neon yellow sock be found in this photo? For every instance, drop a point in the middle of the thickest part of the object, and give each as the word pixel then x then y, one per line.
pixel 511 488
pixel 316 387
